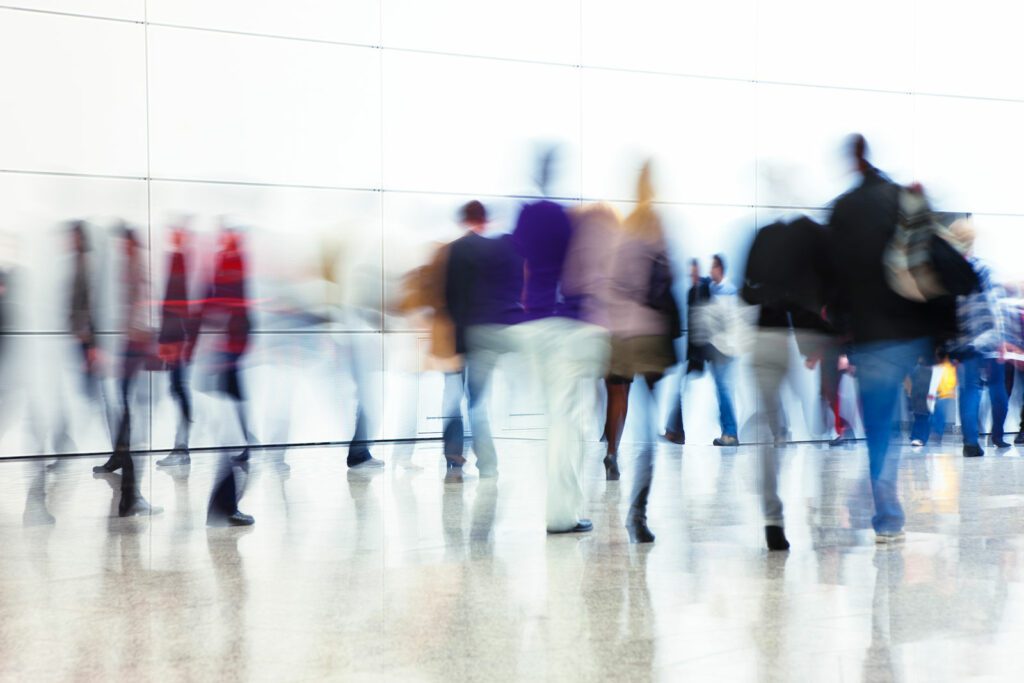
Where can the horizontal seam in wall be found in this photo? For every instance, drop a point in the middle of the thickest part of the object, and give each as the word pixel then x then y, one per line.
pixel 518 60
pixel 452 193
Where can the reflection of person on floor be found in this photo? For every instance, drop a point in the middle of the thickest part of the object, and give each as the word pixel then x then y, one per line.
pixel 177 334
pixel 226 310
pixel 920 381
pixel 137 351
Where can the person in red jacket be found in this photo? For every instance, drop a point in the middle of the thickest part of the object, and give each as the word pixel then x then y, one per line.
pixel 226 308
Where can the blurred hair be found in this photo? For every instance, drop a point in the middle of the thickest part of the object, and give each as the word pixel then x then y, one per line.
pixel 644 222
pixel 545 170
pixel 473 212
pixel 695 263
pixel 78 231
pixel 718 260
pixel 598 211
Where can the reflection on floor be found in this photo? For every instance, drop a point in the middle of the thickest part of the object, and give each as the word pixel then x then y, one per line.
pixel 400 576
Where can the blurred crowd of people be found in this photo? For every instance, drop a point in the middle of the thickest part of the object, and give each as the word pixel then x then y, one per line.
pixel 886 293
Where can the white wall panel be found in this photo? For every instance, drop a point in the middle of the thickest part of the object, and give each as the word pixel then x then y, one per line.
pixel 869 45
pixel 474 125
pixel 352 21
pixel 699 133
pixel 801 133
pixel 541 30
pixel 969 153
pixel 970 48
pixel 706 39
pixel 229 107
pixel 72 93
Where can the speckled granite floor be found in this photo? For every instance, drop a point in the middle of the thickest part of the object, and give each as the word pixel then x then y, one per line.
pixel 399 576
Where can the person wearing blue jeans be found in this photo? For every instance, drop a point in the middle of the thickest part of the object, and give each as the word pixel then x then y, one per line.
pixel 721 371
pixel 881 367
pixel 975 372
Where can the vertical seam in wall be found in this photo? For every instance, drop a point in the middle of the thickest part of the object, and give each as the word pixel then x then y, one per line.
pixel 149 256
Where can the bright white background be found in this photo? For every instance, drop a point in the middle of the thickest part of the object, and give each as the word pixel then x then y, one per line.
pixel 368 122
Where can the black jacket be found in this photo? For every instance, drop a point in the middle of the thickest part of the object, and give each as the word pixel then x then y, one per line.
pixel 862 223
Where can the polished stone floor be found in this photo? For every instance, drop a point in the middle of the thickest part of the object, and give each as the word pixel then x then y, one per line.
pixel 400 576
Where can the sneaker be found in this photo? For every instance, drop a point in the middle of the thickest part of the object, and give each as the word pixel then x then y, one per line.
pixel 726 441
pixel 917 443
pixel 175 458
pixel 973 451
pixel 889 537
pixel 368 463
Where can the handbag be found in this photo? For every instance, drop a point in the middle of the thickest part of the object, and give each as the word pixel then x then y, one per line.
pixel 924 260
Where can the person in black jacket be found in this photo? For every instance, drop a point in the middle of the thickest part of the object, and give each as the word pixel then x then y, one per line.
pixel 177 335
pixel 788 277
pixel 888 333
pixel 698 351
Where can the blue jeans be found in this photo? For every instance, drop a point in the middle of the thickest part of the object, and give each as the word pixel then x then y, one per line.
pixel 721 370
pixel 940 416
pixel 921 429
pixel 881 367
pixel 970 377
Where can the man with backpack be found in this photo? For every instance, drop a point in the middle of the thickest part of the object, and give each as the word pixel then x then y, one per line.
pixel 889 332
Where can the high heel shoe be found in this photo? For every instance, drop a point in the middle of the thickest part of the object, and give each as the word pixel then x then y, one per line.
pixel 611 467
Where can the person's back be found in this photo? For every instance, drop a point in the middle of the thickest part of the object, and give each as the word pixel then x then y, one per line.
pixel 542 235
pixel 863 222
pixel 483 284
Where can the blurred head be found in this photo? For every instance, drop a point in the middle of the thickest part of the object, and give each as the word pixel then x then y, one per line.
pixel 129 239
pixel 229 239
pixel 717 268
pixel 473 216
pixel 79 238
pixel 857 148
pixel 644 221
pixel 694 271
pixel 178 238
pixel 545 170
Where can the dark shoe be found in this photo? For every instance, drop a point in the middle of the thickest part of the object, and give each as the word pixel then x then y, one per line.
pixel 454 461
pixel 1019 439
pixel 611 468
pixel 678 438
pixel 726 441
pixel 113 464
pixel 175 458
pixel 582 527
pixel 136 505
pixel 841 440
pixel 638 530
pixel 366 462
pixel 998 443
pixel 776 537
pixel 238 518
pixel 973 451
pixel 241 457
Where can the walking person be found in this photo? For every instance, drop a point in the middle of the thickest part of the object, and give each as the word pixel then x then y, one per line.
pixel 176 341
pixel 787 277
pixel 138 339
pixel 722 317
pixel 644 321
pixel 889 332
pixel 977 349
pixel 698 350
